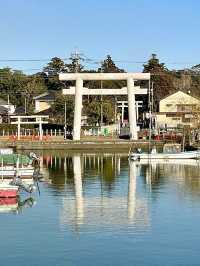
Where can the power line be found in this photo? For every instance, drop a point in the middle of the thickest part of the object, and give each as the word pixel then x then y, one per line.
pixel 94 60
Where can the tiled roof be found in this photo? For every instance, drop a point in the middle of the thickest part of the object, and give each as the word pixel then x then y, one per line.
pixel 47 96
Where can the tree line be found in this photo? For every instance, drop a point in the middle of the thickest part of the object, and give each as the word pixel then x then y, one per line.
pixel 18 87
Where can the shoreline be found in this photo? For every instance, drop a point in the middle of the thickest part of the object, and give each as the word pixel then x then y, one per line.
pixel 92 145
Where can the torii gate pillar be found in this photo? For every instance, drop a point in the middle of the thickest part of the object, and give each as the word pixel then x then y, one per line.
pixel 78 109
pixel 131 109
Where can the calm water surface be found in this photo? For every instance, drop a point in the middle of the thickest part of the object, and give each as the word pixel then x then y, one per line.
pixel 96 209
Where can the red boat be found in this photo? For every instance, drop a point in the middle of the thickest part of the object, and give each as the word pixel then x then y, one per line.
pixel 8 191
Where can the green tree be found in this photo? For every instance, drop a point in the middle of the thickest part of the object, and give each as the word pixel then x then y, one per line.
pixel 51 71
pixel 161 77
pixel 108 66
pixel 58 109
pixel 55 66
pixel 93 111
pixel 75 65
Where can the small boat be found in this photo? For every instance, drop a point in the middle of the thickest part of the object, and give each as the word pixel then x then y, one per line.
pixel 17 165
pixel 15 205
pixel 170 151
pixel 8 205
pixel 9 171
pixel 8 191
pixel 6 151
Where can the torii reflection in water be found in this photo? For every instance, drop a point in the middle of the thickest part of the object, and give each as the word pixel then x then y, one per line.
pixel 137 207
pixel 98 210
pixel 78 188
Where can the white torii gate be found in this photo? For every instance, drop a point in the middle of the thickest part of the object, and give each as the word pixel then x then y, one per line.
pixel 29 120
pixel 124 104
pixel 79 90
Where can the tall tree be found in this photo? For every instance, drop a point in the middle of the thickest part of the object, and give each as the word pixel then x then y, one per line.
pixel 55 66
pixel 108 66
pixel 75 65
pixel 161 77
pixel 51 71
pixel 58 109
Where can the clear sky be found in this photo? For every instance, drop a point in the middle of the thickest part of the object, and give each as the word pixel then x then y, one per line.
pixel 127 29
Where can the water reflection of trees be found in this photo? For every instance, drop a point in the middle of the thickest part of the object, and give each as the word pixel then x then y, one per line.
pixel 94 166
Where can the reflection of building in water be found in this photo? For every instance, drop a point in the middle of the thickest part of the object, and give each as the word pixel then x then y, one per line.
pixel 181 174
pixel 99 210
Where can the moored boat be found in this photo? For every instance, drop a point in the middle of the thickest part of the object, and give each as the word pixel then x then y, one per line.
pixel 8 191
pixel 8 205
pixel 170 151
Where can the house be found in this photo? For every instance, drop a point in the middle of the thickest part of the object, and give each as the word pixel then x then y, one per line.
pixel 177 110
pixel 44 101
pixel 6 105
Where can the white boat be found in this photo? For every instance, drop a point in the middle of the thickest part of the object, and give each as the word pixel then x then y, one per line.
pixel 6 151
pixel 172 162
pixel 170 151
pixel 11 171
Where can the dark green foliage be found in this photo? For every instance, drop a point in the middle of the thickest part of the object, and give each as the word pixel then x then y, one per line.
pixel 58 109
pixel 162 79
pixel 19 86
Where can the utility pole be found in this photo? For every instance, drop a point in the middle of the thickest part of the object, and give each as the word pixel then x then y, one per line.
pixel 76 56
pixel 65 126
pixel 150 114
pixel 150 105
pixel 101 117
pixel 25 105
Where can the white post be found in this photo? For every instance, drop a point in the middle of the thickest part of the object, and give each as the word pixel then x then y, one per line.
pixel 131 109
pixel 123 112
pixel 40 127
pixel 138 104
pixel 78 108
pixel 18 128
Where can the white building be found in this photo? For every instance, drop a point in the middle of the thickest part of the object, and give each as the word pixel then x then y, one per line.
pixel 178 109
pixel 10 107
pixel 44 101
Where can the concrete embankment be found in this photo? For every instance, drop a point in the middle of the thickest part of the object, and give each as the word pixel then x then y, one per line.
pixel 117 145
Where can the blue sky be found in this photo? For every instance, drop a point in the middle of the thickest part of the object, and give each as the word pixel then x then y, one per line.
pixel 128 30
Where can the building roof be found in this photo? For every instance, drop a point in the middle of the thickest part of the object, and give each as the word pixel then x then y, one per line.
pixel 20 110
pixel 47 96
pixel 3 110
pixel 182 93
pixel 45 112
